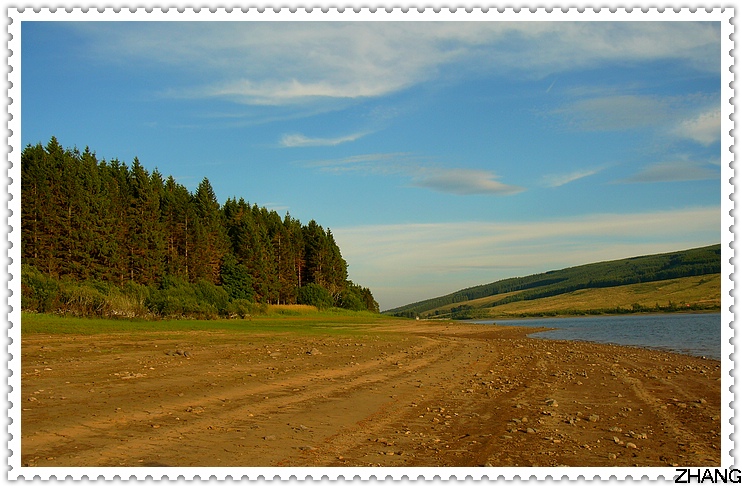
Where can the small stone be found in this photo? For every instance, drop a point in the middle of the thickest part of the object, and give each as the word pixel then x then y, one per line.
pixel 314 352
pixel 269 438
pixel 631 445
pixel 611 456
pixel 593 418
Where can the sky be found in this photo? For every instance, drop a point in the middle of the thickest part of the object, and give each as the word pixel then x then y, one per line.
pixel 442 155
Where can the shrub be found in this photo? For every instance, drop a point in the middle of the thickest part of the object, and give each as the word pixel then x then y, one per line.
pixel 351 300
pixel 39 292
pixel 245 308
pixel 313 294
pixel 82 299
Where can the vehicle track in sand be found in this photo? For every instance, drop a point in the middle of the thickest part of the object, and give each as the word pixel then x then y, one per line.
pixel 419 395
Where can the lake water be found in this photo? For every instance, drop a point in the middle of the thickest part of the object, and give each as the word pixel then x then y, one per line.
pixel 694 334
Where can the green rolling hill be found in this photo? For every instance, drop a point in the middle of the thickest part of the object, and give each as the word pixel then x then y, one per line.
pixel 683 280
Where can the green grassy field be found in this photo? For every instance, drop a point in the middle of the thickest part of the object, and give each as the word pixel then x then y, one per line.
pixel 304 322
pixel 700 292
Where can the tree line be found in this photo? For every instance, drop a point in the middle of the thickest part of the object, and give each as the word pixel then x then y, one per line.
pixel 108 224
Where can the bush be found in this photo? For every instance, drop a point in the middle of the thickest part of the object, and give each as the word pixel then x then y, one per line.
pixel 177 298
pixel 315 295
pixel 351 300
pixel 245 308
pixel 39 292
pixel 82 299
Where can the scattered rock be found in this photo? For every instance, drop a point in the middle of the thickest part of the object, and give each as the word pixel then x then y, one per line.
pixel 269 438
pixel 314 352
pixel 593 418
pixel 551 402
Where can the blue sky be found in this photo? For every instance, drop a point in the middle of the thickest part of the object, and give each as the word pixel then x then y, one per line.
pixel 442 155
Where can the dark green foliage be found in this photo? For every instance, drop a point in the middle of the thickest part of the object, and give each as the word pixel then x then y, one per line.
pixel 102 238
pixel 38 291
pixel 692 262
pixel 315 295
pixel 236 279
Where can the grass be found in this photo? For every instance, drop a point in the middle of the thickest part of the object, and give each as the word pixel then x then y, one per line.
pixel 703 291
pixel 700 290
pixel 306 321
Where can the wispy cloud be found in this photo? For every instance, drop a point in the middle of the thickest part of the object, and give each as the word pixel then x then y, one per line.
pixel 280 63
pixel 462 181
pixel 704 128
pixel 675 171
pixel 378 163
pixel 405 263
pixel 615 112
pixel 691 118
pixel 454 181
pixel 300 140
pixel 554 181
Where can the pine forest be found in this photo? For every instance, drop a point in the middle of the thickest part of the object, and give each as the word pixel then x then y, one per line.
pixel 110 239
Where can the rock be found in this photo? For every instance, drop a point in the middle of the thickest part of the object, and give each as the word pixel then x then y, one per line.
pixel 631 445
pixel 269 438
pixel 611 456
pixel 314 352
pixel 551 402
pixel 593 418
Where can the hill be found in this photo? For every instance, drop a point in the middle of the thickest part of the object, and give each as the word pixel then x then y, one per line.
pixel 487 299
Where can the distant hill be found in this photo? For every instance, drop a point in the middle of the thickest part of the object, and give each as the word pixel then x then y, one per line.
pixel 483 300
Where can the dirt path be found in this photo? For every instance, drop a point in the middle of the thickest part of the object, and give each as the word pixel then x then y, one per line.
pixel 402 395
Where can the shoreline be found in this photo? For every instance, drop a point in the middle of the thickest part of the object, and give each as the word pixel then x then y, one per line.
pixel 391 393
pixel 572 333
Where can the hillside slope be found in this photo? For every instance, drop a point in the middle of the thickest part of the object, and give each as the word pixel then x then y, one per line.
pixel 607 274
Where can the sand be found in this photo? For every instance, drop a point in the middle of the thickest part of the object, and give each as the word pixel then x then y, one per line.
pixel 402 394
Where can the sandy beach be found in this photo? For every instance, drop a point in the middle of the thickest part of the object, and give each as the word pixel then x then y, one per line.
pixel 397 394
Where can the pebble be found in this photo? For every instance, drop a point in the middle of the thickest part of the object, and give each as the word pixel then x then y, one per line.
pixel 593 418
pixel 631 445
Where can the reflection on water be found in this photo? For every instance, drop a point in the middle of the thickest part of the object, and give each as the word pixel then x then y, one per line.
pixel 695 334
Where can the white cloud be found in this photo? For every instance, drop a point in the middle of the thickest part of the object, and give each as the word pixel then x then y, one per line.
pixel 704 128
pixel 279 63
pixel 675 171
pixel 615 112
pixel 454 181
pixel 461 181
pixel 554 181
pixel 408 262
pixel 300 140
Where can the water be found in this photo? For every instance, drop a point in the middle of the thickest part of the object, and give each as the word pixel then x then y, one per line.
pixel 694 334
